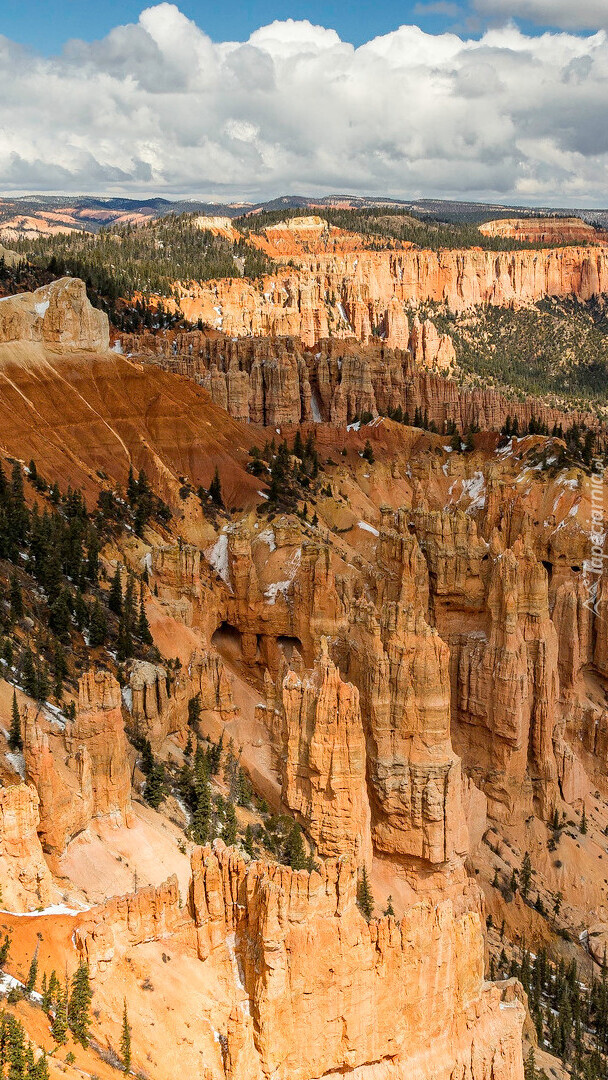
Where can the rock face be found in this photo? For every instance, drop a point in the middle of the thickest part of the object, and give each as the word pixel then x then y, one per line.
pixel 351 293
pixel 322 760
pixel 126 921
pixel 58 315
pixel 159 706
pixel 543 230
pixel 278 382
pixel 25 878
pixel 401 667
pixel 408 997
pixel 395 998
pixel 84 773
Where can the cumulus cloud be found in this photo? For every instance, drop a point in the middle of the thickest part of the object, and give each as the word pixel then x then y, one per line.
pixel 157 107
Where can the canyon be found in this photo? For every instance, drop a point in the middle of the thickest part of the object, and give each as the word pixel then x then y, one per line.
pixel 400 657
pixel 328 283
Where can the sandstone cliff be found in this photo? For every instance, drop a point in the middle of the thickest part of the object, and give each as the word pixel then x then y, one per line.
pixel 84 772
pixel 320 745
pixel 400 998
pixel 278 382
pixel 351 294
pixel 58 316
pixel 25 879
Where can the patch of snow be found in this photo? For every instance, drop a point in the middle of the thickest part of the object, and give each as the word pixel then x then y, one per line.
pixel 571 482
pixel 474 487
pixel 279 588
pixel 54 909
pixel 262 494
pixel 344 316
pixel 448 449
pixel 573 511
pixel 117 346
pixel 368 528
pixel 354 427
pixel 18 763
pixel 42 308
pixel 268 537
pixel 218 557
pixel 127 697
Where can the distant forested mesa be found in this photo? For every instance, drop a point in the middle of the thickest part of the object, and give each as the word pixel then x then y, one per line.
pixel 148 259
pixel 399 225
pixel 127 259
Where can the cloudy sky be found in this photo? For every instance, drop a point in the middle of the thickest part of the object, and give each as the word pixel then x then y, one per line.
pixel 504 100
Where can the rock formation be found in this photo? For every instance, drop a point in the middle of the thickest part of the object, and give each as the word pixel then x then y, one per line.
pixel 544 230
pixel 83 773
pixel 408 997
pixel 348 295
pixel 25 879
pixel 320 746
pixel 58 315
pixel 159 704
pixel 279 382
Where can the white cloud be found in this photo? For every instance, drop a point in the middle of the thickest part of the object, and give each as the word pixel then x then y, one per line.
pixel 157 107
pixel 566 14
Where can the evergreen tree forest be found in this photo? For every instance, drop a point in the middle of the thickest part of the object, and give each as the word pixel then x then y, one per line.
pixel 55 603
pixel 122 260
pixel 570 1013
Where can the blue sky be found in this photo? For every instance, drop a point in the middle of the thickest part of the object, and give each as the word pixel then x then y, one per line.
pixel 45 25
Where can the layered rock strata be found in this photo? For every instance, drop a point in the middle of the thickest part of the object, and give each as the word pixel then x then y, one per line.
pixel 277 382
pixel 402 998
pixel 84 772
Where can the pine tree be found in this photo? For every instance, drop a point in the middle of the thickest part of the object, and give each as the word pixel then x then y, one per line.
pixel 125 1040
pixel 143 627
pixel 15 740
pixel 154 790
pixel 295 854
pixel 32 973
pixel 201 818
pixel 194 711
pixel 215 489
pixel 525 875
pixel 583 826
pixel 389 909
pixel 557 903
pixel 59 1027
pixel 4 950
pixel 530 1065
pixel 365 897
pixel 115 594
pixel 368 453
pixel 248 842
pixel 79 1009
pixel 46 996
pixel 98 626
pixel 231 824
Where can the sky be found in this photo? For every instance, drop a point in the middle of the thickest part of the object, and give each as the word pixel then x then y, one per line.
pixel 487 100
